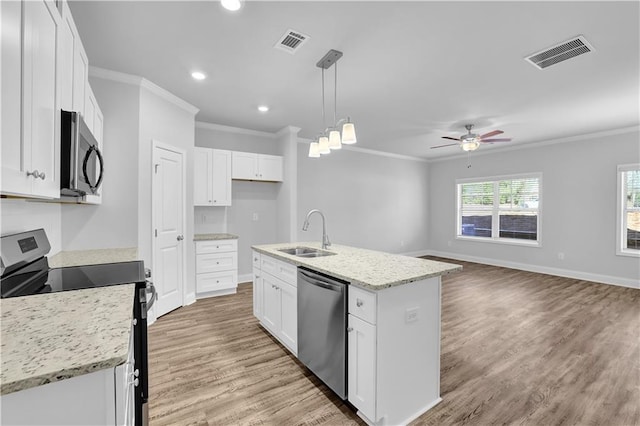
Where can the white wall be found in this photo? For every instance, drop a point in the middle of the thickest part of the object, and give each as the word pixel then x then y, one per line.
pixel 164 121
pixel 114 223
pixel 578 207
pixel 20 215
pixel 247 197
pixel 369 201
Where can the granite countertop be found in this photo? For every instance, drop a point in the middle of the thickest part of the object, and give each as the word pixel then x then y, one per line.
pixel 56 336
pixel 92 257
pixel 366 268
pixel 211 237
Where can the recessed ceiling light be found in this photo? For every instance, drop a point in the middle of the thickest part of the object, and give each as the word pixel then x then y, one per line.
pixel 197 75
pixel 263 108
pixel 231 5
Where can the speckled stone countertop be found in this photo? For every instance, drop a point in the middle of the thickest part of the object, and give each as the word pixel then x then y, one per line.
pixel 92 257
pixel 366 268
pixel 211 237
pixel 56 336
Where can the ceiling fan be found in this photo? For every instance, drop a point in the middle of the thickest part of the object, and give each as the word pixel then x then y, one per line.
pixel 471 141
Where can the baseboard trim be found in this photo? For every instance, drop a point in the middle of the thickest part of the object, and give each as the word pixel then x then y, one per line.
pixel 567 273
pixel 245 278
pixel 417 253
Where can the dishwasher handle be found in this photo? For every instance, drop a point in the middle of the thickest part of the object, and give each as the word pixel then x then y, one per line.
pixel 318 281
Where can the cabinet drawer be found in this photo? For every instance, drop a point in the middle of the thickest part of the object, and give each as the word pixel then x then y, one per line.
pixel 362 304
pixel 282 270
pixel 216 262
pixel 255 256
pixel 216 246
pixel 216 281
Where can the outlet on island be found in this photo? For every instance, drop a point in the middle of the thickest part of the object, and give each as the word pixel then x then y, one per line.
pixel 411 314
pixel 255 217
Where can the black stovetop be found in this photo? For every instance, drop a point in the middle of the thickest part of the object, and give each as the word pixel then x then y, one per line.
pixel 38 278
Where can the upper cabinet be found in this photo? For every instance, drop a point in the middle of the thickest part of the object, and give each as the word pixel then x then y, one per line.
pixel 30 99
pixel 251 166
pixel 212 177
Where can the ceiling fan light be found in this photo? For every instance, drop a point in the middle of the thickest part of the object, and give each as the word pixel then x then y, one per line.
pixel 334 140
pixel 323 145
pixel 349 133
pixel 314 150
pixel 470 145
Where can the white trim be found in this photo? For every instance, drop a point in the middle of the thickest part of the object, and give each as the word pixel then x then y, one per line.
pixel 621 218
pixel 231 129
pixel 374 152
pixel 143 83
pixel 245 278
pixel 503 240
pixel 288 129
pixel 538 144
pixel 190 299
pixel 417 253
pixel 567 273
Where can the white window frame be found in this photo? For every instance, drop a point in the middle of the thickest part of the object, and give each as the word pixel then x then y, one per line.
pixel 495 215
pixel 621 225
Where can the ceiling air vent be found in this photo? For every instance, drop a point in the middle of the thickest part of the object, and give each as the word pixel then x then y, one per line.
pixel 291 41
pixel 560 52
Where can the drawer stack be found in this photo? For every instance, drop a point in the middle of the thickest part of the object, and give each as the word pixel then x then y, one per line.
pixel 216 267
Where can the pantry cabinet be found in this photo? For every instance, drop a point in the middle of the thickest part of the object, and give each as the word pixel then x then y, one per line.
pixel 30 99
pixel 260 167
pixel 212 177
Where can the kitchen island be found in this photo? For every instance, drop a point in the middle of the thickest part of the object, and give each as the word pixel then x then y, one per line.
pixel 393 322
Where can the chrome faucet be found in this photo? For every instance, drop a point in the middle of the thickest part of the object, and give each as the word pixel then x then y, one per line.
pixel 325 238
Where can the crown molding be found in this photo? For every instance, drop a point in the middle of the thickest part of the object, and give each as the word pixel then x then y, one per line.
pixel 135 80
pixel 374 152
pixel 531 145
pixel 288 129
pixel 231 129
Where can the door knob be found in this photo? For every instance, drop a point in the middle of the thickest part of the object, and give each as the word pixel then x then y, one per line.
pixel 180 237
pixel 36 174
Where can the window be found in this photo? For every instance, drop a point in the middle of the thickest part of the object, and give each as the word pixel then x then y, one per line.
pixel 502 209
pixel 629 210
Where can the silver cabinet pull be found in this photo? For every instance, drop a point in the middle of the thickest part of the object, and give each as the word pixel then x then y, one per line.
pixel 349 329
pixel 36 174
pixel 359 303
pixel 180 237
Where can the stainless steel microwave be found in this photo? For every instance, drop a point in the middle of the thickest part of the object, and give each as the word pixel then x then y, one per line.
pixel 81 163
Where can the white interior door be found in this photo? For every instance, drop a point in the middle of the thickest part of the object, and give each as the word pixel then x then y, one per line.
pixel 168 222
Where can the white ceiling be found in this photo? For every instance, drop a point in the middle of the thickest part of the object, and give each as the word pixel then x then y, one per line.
pixel 411 71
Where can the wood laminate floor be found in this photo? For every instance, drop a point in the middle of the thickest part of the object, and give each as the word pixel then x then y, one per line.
pixel 517 348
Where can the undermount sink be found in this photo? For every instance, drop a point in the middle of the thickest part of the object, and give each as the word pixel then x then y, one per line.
pixel 306 252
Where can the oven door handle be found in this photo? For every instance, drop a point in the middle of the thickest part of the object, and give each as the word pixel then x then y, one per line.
pixel 84 168
pixel 154 295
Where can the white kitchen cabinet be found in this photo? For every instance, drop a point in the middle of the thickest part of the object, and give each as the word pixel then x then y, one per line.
pixel 79 72
pixel 212 177
pixel 30 99
pixel 216 267
pixel 362 365
pixel 251 166
pixel 103 397
pixel 276 299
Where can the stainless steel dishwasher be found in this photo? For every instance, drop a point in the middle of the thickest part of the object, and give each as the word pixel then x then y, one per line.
pixel 322 327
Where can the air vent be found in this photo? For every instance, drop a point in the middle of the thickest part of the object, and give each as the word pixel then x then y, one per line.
pixel 560 52
pixel 291 41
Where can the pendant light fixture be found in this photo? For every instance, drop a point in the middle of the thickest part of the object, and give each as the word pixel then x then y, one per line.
pixel 332 138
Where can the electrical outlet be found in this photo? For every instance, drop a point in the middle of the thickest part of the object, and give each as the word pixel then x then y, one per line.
pixel 411 315
pixel 255 217
pixel 449 243
pixel 401 243
pixel 561 256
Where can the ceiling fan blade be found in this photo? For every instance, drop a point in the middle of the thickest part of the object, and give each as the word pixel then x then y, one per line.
pixel 442 146
pixel 449 137
pixel 495 140
pixel 493 133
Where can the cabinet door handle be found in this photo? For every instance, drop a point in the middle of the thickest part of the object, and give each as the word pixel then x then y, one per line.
pixel 349 329
pixel 359 302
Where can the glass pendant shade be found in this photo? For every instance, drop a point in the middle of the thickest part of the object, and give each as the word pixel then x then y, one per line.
pixel 349 133
pixel 323 144
pixel 471 145
pixel 314 150
pixel 334 140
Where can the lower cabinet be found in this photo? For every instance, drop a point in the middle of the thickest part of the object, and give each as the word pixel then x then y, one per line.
pixel 275 301
pixel 216 267
pixel 104 397
pixel 361 365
